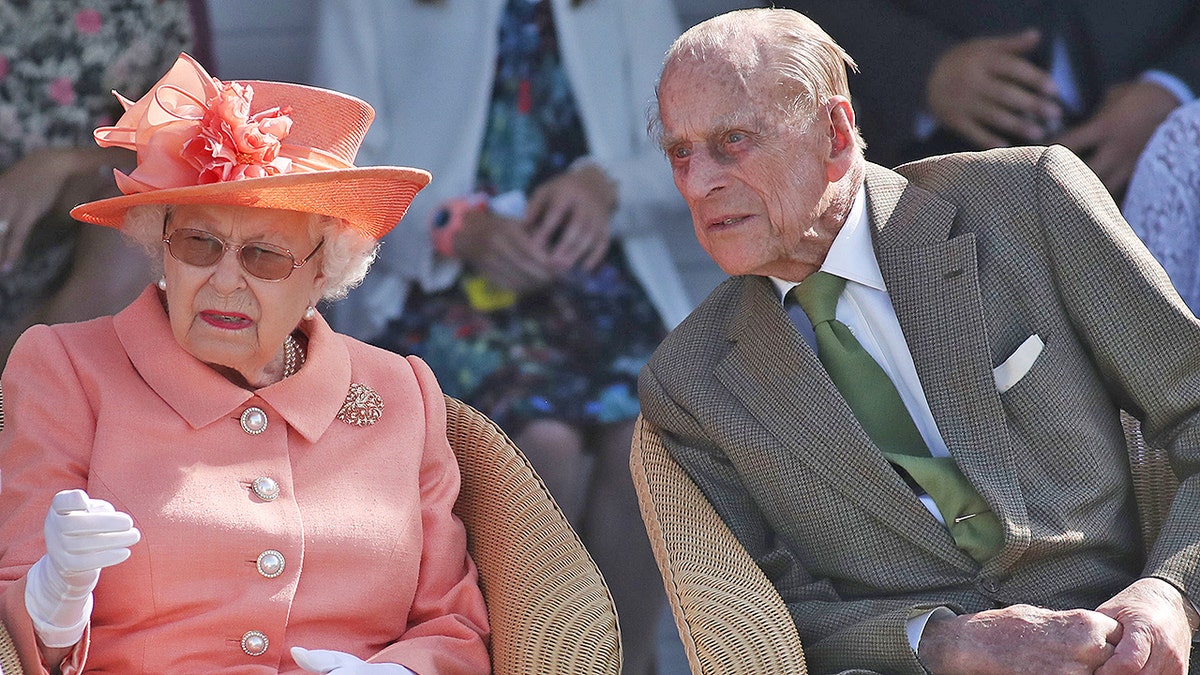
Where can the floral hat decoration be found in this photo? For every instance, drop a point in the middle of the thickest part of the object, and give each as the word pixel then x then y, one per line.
pixel 271 145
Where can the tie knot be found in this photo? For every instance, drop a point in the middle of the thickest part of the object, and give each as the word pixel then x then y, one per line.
pixel 818 295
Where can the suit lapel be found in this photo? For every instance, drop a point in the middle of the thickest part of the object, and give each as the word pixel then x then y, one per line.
pixel 782 384
pixel 933 282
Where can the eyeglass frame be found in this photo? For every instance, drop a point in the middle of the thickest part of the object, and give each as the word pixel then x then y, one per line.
pixel 237 250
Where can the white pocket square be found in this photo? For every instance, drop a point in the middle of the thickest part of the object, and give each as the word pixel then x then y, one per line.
pixel 1018 364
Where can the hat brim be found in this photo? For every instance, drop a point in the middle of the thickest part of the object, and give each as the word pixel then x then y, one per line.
pixel 371 199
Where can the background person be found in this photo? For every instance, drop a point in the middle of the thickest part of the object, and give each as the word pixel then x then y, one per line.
pixel 291 487
pixel 59 62
pixel 533 276
pixel 941 77
pixel 1163 201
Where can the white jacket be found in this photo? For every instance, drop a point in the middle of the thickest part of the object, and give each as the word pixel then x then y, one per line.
pixel 428 69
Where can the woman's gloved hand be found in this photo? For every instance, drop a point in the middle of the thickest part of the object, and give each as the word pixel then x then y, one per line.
pixel 83 536
pixel 340 663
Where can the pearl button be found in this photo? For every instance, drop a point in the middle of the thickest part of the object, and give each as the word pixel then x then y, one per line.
pixel 255 643
pixel 254 421
pixel 266 488
pixel 270 563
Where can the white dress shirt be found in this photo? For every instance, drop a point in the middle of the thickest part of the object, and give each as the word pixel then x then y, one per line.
pixel 865 307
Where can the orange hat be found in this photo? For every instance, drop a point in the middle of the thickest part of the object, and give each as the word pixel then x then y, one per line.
pixel 271 145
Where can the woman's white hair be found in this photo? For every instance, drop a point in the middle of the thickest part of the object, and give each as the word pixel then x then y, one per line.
pixel 345 257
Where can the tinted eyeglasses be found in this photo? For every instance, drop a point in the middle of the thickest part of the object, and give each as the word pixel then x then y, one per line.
pixel 260 259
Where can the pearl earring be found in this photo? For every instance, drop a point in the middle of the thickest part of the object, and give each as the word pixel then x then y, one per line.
pixel 162 283
pixel 310 313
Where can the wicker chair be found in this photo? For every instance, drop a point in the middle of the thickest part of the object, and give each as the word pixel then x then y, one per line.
pixel 729 616
pixel 549 608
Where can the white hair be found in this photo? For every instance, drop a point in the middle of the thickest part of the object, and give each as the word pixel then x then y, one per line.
pixel 345 257
pixel 809 67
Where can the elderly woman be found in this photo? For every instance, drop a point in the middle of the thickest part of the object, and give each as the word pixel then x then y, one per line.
pixel 213 480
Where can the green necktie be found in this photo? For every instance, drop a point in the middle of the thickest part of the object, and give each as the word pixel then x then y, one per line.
pixel 881 412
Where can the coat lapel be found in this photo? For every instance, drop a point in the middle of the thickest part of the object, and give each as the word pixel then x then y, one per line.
pixel 933 282
pixel 782 384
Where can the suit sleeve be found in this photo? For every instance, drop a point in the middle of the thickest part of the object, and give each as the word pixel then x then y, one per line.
pixel 837 634
pixel 1144 340
pixel 448 622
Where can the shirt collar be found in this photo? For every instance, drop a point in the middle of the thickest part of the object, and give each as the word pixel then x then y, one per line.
pixel 851 256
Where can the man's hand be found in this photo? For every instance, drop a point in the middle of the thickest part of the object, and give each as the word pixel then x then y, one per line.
pixel 1019 639
pixel 987 91
pixel 569 217
pixel 1113 138
pixel 1157 636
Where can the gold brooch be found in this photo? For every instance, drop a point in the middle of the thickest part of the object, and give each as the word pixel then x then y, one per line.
pixel 363 406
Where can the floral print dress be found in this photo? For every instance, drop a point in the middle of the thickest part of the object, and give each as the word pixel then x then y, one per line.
pixel 60 60
pixel 571 352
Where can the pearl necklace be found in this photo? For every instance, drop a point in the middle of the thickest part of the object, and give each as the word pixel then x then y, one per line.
pixel 294 356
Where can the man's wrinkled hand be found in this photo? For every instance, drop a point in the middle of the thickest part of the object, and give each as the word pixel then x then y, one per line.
pixel 1157 635
pixel 1019 639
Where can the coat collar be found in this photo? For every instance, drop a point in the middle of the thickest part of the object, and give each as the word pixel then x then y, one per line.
pixel 308 400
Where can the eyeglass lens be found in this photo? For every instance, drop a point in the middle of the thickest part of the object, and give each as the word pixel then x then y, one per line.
pixel 202 249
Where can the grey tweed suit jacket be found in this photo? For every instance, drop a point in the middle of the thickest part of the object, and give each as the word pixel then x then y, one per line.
pixel 978 251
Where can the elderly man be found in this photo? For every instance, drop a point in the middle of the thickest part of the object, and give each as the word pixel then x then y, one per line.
pixel 926 458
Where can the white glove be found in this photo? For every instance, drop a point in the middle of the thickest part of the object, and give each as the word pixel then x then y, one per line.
pixel 340 663
pixel 82 536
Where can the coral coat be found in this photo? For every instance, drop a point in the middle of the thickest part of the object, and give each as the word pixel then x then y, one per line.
pixel 375 563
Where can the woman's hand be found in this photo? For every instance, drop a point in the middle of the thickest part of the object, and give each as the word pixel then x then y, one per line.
pixel 44 181
pixel 565 226
pixel 502 250
pixel 83 536
pixel 341 663
pixel 569 217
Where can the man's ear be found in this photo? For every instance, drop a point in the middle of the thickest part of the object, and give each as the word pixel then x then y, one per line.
pixel 843 142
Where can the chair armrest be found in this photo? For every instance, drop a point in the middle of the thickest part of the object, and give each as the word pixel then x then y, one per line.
pixel 10 664
pixel 549 608
pixel 729 616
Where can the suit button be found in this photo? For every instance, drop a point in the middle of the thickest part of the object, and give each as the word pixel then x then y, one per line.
pixel 255 643
pixel 270 563
pixel 254 421
pixel 990 585
pixel 265 488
